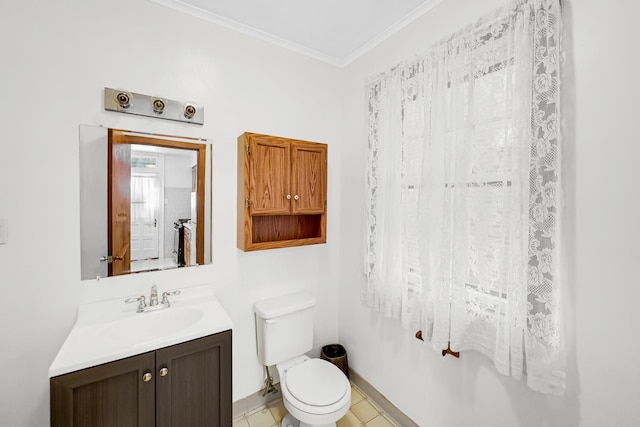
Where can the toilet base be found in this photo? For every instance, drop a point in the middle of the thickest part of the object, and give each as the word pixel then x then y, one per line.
pixel 290 421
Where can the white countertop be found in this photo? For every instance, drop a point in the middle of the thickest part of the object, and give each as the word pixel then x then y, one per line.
pixel 103 332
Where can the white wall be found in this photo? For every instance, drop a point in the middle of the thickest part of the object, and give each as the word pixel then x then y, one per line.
pixel 177 170
pixel 601 277
pixel 56 60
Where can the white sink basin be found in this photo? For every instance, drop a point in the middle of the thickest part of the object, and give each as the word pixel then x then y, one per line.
pixel 111 330
pixel 142 328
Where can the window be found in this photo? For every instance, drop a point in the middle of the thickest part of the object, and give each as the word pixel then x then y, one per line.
pixel 461 198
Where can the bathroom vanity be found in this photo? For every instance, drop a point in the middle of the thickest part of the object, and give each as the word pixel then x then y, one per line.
pixel 168 367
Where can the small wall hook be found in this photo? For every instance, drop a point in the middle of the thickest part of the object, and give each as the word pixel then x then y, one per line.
pixel 449 351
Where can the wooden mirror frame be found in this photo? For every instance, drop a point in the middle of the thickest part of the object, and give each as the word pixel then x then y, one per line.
pixel 118 243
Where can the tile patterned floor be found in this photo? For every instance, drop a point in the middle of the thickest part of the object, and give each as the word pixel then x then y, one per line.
pixel 363 413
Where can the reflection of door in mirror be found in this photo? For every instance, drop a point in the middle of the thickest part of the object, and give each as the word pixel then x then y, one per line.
pixel 142 174
pixel 119 202
pixel 145 207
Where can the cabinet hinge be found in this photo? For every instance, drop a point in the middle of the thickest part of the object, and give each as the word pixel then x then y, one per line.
pixel 248 149
pixel 247 203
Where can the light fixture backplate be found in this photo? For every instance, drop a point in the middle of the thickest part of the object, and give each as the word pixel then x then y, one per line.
pixel 142 105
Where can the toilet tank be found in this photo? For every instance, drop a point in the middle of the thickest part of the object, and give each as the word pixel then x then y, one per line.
pixel 284 327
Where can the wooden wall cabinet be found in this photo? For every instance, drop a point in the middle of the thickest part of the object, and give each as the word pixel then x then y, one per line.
pixel 186 385
pixel 282 192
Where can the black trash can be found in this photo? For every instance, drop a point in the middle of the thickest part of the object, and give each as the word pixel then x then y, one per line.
pixel 336 354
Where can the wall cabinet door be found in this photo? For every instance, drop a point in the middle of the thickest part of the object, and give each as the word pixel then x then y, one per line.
pixel 185 385
pixel 308 178
pixel 269 176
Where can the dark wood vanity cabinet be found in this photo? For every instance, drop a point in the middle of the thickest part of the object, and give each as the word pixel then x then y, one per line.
pixel 185 385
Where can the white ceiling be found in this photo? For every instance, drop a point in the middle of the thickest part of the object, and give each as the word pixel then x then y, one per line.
pixel 333 31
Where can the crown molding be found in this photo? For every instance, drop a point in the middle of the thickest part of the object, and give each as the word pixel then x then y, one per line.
pixel 206 15
pixel 390 31
pixel 247 30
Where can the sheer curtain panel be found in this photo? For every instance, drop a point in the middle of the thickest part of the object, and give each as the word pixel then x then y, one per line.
pixel 463 184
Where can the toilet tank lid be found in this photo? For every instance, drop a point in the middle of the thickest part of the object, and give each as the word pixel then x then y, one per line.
pixel 286 304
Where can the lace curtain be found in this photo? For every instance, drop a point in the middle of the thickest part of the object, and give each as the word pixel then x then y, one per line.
pixel 463 185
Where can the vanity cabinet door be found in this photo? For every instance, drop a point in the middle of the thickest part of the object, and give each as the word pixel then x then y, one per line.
pixel 193 383
pixel 120 393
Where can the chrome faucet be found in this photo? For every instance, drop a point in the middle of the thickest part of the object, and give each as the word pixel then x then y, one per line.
pixel 153 300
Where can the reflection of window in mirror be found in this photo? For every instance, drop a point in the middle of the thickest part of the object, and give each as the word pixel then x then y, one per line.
pixel 154 191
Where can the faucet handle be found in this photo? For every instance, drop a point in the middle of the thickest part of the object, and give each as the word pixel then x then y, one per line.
pixel 166 294
pixel 141 299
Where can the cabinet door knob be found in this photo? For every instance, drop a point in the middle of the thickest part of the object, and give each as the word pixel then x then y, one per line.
pixel 288 196
pixel 147 377
pixel 163 372
pixel 296 197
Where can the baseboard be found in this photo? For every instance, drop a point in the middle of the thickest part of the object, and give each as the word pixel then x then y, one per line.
pixel 254 401
pixel 378 398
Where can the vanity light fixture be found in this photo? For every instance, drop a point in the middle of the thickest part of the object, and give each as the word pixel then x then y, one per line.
pixel 190 110
pixel 158 105
pixel 123 98
pixel 123 101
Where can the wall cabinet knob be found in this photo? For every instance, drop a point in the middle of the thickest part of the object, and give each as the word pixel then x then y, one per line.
pixel 147 377
pixel 296 197
pixel 288 196
pixel 163 372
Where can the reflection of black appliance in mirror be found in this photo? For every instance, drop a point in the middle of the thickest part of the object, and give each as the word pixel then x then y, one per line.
pixel 178 241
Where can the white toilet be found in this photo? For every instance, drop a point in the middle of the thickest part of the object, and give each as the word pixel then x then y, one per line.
pixel 315 392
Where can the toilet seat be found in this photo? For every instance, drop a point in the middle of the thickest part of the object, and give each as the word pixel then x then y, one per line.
pixel 315 386
pixel 316 382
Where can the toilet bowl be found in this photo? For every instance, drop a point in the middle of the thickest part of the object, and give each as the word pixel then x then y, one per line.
pixel 314 392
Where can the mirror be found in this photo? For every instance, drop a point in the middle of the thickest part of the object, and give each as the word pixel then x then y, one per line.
pixel 145 202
